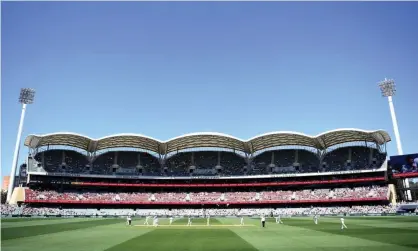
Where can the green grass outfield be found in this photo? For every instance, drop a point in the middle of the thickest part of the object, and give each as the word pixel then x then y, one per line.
pixel 296 234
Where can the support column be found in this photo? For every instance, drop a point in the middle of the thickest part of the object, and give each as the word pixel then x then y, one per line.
pixel 371 156
pixel 43 159
pixel 63 157
pixel 350 154
pixel 395 126
pixel 139 168
pixel 91 159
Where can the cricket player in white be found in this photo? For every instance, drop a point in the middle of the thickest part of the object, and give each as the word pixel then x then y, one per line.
pixel 208 220
pixel 146 220
pixel 155 222
pixel 315 218
pixel 128 220
pixel 263 221
pixel 278 220
pixel 242 220
pixel 189 222
pixel 171 220
pixel 342 223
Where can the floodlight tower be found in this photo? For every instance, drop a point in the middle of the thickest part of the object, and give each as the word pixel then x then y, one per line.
pixel 26 97
pixel 388 89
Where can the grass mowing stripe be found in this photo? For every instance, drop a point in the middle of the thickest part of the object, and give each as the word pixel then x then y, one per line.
pixel 396 236
pixel 21 232
pixel 186 240
pixel 88 239
pixel 27 219
pixel 387 218
pixel 40 222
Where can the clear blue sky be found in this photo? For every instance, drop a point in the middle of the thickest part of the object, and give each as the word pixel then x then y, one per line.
pixel 166 69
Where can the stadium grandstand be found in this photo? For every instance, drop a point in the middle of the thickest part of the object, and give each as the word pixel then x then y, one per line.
pixel 276 152
pixel 339 171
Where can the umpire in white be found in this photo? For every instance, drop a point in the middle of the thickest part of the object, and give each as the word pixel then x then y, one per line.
pixel 263 221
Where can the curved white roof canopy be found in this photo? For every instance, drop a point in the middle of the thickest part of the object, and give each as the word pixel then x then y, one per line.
pixel 281 138
pixel 60 138
pixel 209 139
pixel 204 139
pixel 346 135
pixel 128 140
pixel 91 145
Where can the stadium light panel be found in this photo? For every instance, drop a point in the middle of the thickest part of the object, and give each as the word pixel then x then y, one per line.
pixel 27 96
pixel 387 87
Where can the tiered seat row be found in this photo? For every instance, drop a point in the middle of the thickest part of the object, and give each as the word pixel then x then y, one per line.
pixel 361 193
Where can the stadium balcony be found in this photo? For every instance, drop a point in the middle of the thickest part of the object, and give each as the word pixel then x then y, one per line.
pixel 259 164
pixel 178 164
pixel 103 163
pixel 309 162
pixel 233 164
pixel 126 163
pixel 283 160
pixel 207 163
pixel 286 161
pixel 353 158
pixel 205 160
pixel 61 161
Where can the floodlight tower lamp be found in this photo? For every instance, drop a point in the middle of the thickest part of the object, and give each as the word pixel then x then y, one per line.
pixel 26 97
pixel 388 89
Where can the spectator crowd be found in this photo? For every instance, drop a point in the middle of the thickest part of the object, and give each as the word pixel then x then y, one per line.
pixel 285 212
pixel 378 192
